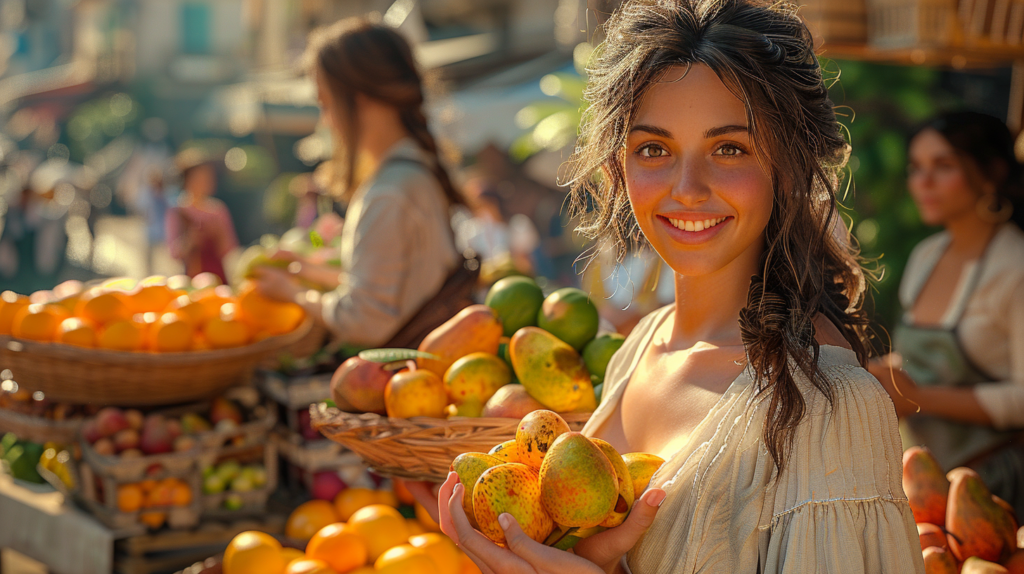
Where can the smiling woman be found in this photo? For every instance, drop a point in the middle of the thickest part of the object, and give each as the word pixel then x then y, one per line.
pixel 711 139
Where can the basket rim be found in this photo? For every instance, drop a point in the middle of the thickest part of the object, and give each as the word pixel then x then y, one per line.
pixel 340 421
pixel 44 350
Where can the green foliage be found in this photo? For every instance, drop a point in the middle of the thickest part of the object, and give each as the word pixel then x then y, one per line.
pixel 93 124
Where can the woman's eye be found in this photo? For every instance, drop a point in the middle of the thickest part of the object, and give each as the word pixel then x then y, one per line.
pixel 729 150
pixel 652 151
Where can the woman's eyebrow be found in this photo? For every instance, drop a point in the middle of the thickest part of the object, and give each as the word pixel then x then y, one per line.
pixel 653 130
pixel 721 131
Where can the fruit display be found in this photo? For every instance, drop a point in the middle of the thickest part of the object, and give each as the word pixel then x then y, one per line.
pixel 20 458
pixel 962 526
pixel 227 485
pixel 157 314
pixel 559 485
pixel 517 353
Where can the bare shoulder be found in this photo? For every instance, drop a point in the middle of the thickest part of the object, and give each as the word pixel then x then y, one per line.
pixel 826 333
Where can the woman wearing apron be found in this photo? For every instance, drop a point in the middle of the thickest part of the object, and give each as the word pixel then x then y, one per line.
pixel 960 342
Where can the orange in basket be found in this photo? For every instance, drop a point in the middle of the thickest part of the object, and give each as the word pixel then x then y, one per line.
pixel 253 552
pixel 122 335
pixel 151 295
pixel 103 307
pixel 226 330
pixel 340 546
pixel 381 526
pixel 192 311
pixel 10 304
pixel 129 497
pixel 212 299
pixel 267 315
pixel 348 501
pixel 38 322
pixel 308 518
pixel 169 334
pixel 76 331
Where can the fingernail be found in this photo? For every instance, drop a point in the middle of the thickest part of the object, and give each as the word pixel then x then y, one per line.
pixel 505 521
pixel 451 473
pixel 656 498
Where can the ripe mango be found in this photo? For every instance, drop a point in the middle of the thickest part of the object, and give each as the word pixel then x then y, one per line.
pixel 578 485
pixel 588 399
pixel 550 370
pixel 931 535
pixel 535 435
pixel 507 451
pixel 977 525
pixel 418 393
pixel 641 467
pixel 975 565
pixel 939 561
pixel 513 488
pixel 511 401
pixel 473 379
pixel 1015 564
pixel 626 494
pixel 360 383
pixel 474 329
pixel 469 466
pixel 926 487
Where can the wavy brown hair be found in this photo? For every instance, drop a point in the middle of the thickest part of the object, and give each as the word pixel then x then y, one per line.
pixel 357 56
pixel 763 53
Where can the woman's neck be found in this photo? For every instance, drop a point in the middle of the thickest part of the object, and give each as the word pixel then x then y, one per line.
pixel 969 234
pixel 381 129
pixel 708 306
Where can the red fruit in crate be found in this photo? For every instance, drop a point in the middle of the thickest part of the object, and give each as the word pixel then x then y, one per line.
pixel 156 437
pixel 90 432
pixel 174 428
pixel 977 525
pixel 327 485
pixel 939 561
pixel 105 447
pixel 307 430
pixel 135 419
pixel 1015 564
pixel 931 535
pixel 111 420
pixel 126 439
pixel 361 384
pixel 223 409
pixel 975 565
pixel 925 485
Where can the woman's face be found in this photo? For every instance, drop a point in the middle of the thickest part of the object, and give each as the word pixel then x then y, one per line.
pixel 938 182
pixel 697 190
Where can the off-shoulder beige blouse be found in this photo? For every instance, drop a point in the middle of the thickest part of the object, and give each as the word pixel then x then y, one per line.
pixel 838 506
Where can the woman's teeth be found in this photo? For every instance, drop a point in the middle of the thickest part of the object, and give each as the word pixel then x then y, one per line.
pixel 689 225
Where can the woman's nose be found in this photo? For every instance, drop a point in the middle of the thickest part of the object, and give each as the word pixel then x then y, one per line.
pixel 692 186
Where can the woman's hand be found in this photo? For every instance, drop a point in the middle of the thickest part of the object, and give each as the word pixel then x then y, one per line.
pixel 286 256
pixel 901 388
pixel 525 556
pixel 276 284
pixel 425 494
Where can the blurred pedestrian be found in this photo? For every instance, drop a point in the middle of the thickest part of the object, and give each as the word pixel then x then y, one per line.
pixel 200 232
pixel 958 362
pixel 397 246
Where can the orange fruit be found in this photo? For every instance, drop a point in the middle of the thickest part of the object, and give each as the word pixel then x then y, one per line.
pixel 291 554
pixel 339 545
pixel 179 282
pixel 226 331
pixel 181 494
pixel 253 552
pixel 441 550
pixel 10 304
pixel 263 314
pixel 414 527
pixel 129 497
pixel 169 334
pixel 425 519
pixel 69 303
pixel 147 485
pixel 205 279
pixel 405 559
pixel 381 526
pixel 76 331
pixel 103 307
pixel 122 284
pixel 348 501
pixel 68 288
pixel 192 311
pixel 309 518
pixel 38 322
pixel 402 492
pixel 162 494
pixel 122 335
pixel 363 570
pixel 151 295
pixel 199 342
pixel 153 520
pixel 387 498
pixel 41 297
pixel 468 566
pixel 309 566
pixel 212 299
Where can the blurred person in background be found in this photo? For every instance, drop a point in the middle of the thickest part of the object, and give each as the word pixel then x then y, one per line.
pixel 397 246
pixel 154 203
pixel 956 375
pixel 199 229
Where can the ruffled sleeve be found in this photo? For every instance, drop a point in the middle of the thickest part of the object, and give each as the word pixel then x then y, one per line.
pixel 839 505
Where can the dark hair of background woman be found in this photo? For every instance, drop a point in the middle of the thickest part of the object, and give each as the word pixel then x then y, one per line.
pixel 986 141
pixel 764 53
pixel 356 56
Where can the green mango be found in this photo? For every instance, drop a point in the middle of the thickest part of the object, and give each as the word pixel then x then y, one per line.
pixel 550 370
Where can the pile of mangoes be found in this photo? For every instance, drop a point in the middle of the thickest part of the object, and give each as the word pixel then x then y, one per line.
pixel 559 485
pixel 470 365
pixel 963 526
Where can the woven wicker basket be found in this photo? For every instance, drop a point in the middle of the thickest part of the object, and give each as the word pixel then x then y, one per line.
pixel 92 376
pixel 39 429
pixel 420 448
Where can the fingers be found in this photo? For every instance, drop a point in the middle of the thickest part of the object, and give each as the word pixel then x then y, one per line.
pixel 425 494
pixel 444 498
pixel 608 546
pixel 481 548
pixel 541 558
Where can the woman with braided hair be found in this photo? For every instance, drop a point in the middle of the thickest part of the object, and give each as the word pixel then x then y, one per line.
pixel 397 245
pixel 710 138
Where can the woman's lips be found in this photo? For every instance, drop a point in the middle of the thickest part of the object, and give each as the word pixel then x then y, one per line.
pixel 685 230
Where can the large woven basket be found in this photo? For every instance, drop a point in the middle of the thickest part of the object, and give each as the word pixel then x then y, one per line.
pixel 93 376
pixel 39 429
pixel 420 448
